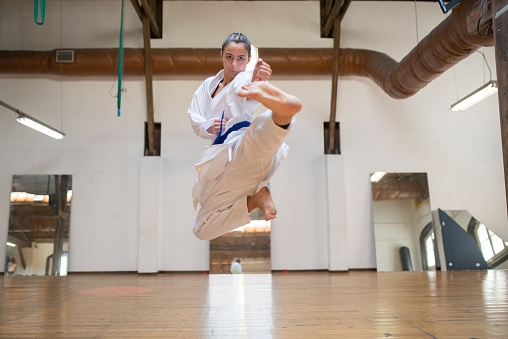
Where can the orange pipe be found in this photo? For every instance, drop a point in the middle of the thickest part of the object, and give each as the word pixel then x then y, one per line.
pixel 444 47
pixel 168 61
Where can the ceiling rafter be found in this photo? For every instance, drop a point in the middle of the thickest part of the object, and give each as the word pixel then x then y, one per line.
pixel 332 10
pixel 152 9
pixel 150 14
pixel 332 13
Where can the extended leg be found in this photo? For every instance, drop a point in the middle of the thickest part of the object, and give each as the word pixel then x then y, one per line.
pixel 283 106
pixel 263 200
pixel 220 218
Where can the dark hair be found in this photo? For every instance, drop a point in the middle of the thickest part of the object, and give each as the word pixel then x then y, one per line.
pixel 238 38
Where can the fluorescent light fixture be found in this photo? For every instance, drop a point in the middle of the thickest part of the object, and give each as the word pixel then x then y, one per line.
pixel 10 244
pixel 376 176
pixel 38 197
pixel 31 122
pixel 480 94
pixel 39 126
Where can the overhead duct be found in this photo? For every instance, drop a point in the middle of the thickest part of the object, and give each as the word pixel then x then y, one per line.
pixel 169 61
pixel 452 41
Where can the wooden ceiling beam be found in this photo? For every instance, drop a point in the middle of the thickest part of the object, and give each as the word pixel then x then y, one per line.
pixel 137 8
pixel 152 9
pixel 331 26
pixel 149 9
pixel 331 149
pixel 330 18
pixel 16 223
pixel 150 13
pixel 500 14
pixel 326 10
pixel 150 120
pixel 478 12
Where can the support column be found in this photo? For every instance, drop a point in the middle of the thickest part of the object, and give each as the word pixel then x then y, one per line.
pixel 149 86
pixel 149 183
pixel 335 79
pixel 337 228
pixel 62 184
pixel 500 15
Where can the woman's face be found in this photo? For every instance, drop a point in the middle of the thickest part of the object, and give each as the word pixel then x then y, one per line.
pixel 234 58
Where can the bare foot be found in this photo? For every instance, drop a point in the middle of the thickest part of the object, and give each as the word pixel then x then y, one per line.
pixel 262 200
pixel 284 106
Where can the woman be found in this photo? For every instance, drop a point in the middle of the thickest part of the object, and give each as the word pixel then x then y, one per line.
pixel 246 151
pixel 208 103
pixel 11 267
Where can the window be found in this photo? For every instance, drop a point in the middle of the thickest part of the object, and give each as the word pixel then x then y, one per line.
pixel 492 246
pixel 63 265
pixel 427 248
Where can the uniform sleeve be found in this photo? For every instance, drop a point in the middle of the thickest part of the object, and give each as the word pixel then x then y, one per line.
pixel 242 79
pixel 197 115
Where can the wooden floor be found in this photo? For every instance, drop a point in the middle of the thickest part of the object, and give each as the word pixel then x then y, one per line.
pixel 292 305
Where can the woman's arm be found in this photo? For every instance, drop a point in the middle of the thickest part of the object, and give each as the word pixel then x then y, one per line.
pixel 201 124
pixel 262 71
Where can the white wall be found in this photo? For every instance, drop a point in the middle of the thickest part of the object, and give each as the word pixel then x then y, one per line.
pixel 399 223
pixel 461 152
pixel 35 258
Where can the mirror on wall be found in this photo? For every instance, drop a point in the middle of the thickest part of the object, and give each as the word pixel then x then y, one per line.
pixel 248 245
pixel 465 243
pixel 403 224
pixel 39 222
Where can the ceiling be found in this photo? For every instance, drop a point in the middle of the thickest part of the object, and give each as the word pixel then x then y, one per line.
pixel 397 186
pixel 31 221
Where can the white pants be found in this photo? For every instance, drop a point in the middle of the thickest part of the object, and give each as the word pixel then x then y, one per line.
pixel 255 158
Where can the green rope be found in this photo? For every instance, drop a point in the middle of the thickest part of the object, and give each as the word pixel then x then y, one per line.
pixel 36 11
pixel 120 65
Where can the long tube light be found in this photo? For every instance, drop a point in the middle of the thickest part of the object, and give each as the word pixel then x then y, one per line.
pixel 31 122
pixel 376 176
pixel 475 97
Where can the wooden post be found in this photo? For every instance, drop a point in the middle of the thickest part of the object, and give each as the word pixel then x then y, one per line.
pixel 62 186
pixel 335 80
pixel 58 239
pixel 500 16
pixel 149 86
pixel 149 9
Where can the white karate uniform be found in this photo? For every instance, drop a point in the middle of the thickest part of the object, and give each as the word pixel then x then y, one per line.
pixel 241 166
pixel 236 268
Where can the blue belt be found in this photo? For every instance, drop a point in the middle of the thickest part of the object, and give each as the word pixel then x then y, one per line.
pixel 221 138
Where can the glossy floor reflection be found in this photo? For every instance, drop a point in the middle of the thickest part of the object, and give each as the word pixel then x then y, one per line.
pixel 457 304
pixel 239 306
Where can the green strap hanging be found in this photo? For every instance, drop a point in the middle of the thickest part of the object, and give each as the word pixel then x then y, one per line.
pixel 120 65
pixel 36 11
